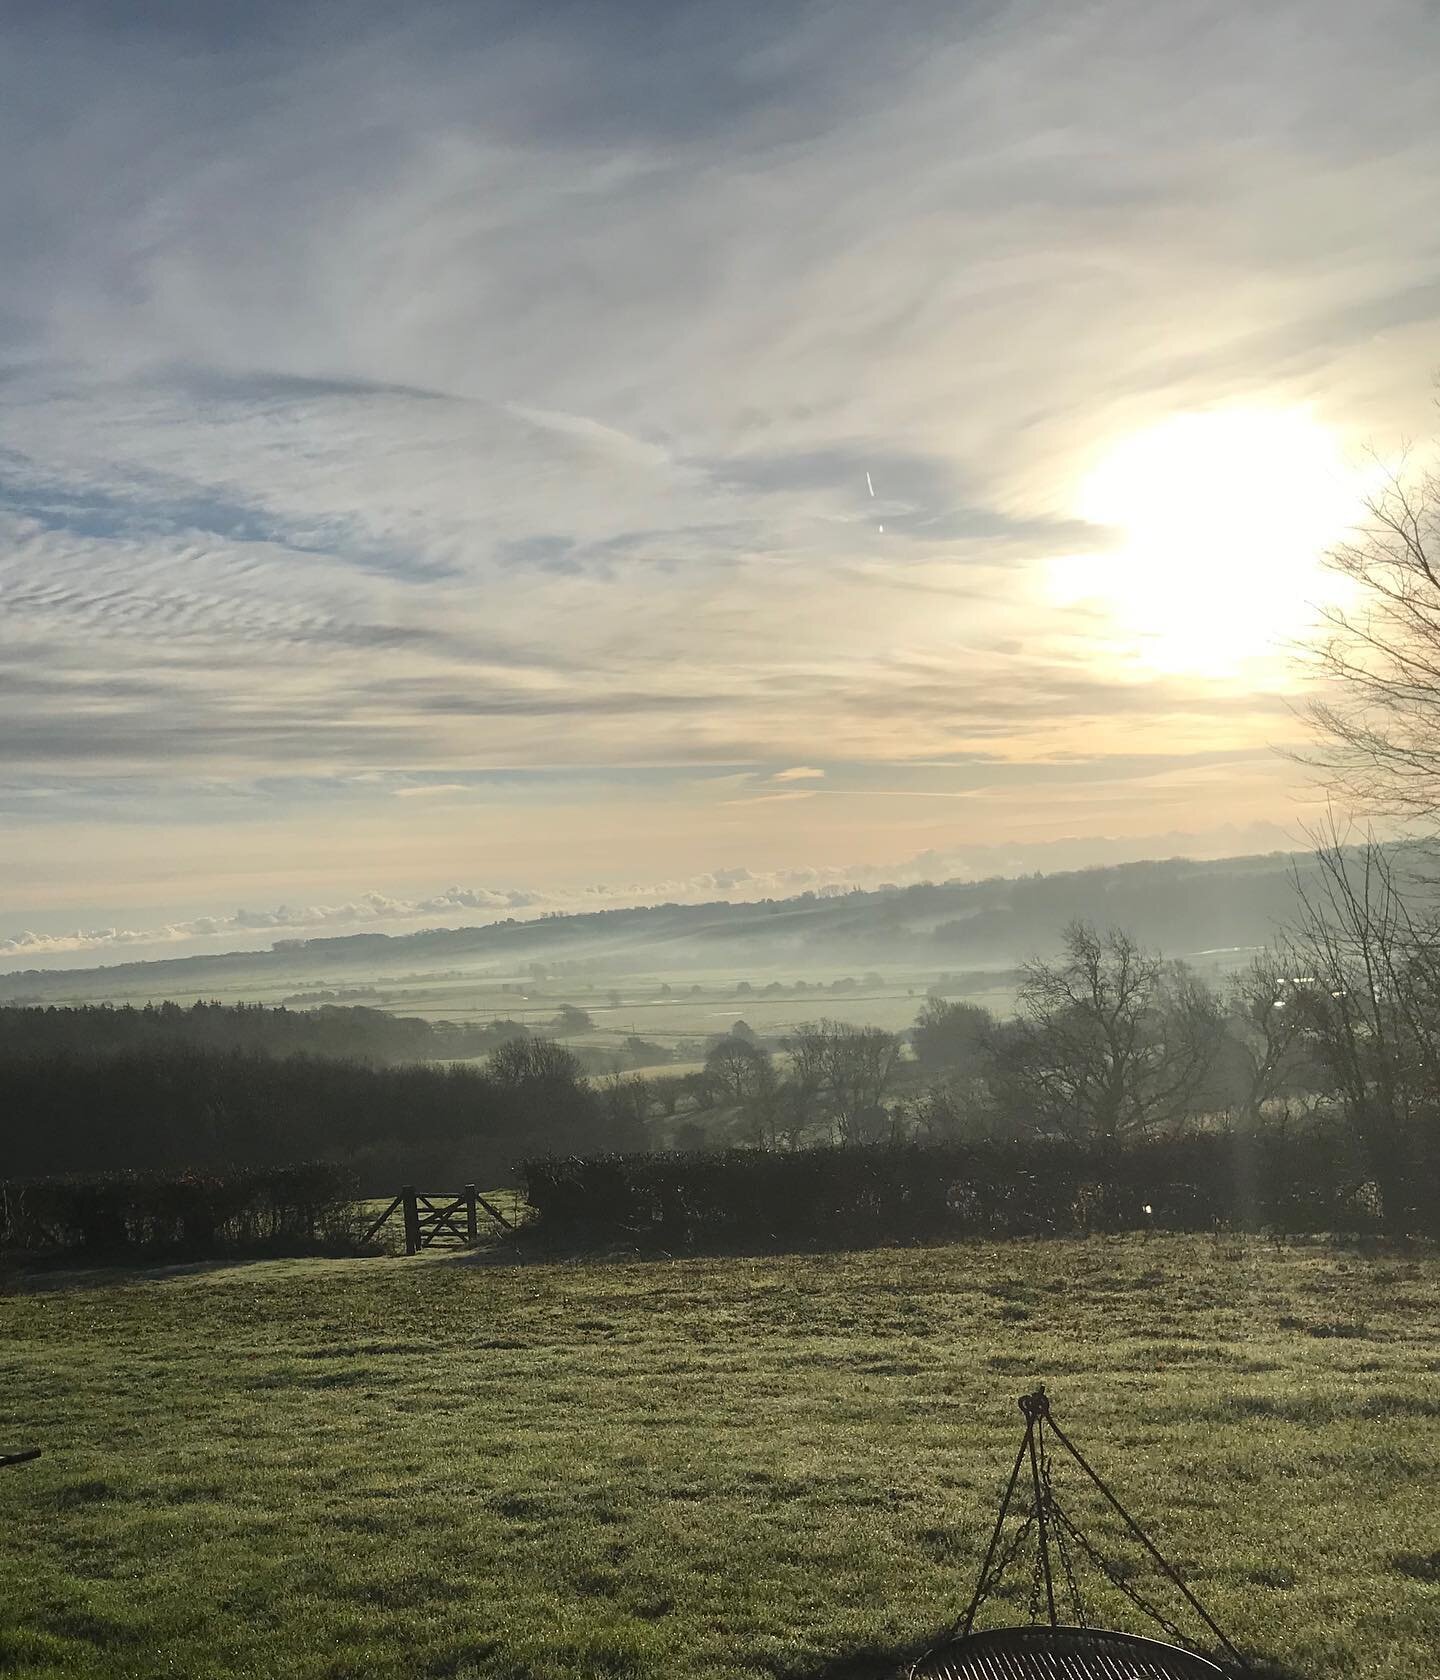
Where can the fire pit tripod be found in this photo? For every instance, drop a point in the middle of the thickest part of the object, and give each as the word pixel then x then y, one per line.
pixel 1065 1646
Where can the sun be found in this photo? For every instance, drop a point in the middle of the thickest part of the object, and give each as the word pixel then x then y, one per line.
pixel 1222 519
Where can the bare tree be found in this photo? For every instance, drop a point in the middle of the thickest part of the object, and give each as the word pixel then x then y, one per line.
pixel 842 1072
pixel 743 1077
pixel 1110 1041
pixel 806 1085
pixel 950 1036
pixel 1266 1039
pixel 545 1087
pixel 959 1106
pixel 534 1062
pixel 627 1101
pixel 667 1091
pixel 732 1066
pixel 1366 984
pixel 861 1063
pixel 1366 943
pixel 1378 729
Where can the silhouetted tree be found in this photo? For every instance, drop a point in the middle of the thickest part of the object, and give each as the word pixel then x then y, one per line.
pixel 840 1075
pixel 1378 724
pixel 534 1063
pixel 950 1036
pixel 960 1107
pixel 627 1102
pixel 732 1066
pixel 667 1091
pixel 742 1076
pixel 1266 1056
pixel 1110 1040
pixel 1366 985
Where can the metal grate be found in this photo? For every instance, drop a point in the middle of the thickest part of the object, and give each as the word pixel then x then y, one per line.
pixel 1061 1653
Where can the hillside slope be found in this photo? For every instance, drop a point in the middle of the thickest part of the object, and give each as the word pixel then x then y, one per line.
pixel 1178 906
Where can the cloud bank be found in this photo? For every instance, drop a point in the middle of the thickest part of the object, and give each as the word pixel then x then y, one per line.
pixel 469 906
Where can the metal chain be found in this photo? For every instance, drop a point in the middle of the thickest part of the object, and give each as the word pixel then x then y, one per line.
pixel 991 1581
pixel 1051 1512
pixel 1051 1518
pixel 1118 1580
pixel 1064 1527
pixel 1063 1545
pixel 1008 1557
pixel 1047 1512
pixel 1037 1579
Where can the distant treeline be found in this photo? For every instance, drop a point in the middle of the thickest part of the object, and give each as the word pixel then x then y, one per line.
pixel 347 1034
pixel 171 1107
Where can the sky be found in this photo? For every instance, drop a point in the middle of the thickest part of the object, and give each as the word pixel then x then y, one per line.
pixel 458 460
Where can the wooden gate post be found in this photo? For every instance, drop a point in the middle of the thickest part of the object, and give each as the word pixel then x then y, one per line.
pixel 412 1219
pixel 472 1222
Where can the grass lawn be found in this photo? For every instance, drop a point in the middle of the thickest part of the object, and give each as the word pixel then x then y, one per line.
pixel 439 1466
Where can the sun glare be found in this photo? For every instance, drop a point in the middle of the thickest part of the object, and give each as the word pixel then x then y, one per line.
pixel 1223 518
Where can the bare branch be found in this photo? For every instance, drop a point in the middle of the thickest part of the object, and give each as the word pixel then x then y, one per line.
pixel 1377 730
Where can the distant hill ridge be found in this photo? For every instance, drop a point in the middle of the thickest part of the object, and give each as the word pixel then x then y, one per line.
pixel 1177 905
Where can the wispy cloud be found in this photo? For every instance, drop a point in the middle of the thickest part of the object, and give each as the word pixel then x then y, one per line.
pixel 433 790
pixel 773 798
pixel 463 389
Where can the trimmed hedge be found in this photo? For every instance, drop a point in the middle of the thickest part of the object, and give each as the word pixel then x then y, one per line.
pixel 274 1209
pixel 1271 1178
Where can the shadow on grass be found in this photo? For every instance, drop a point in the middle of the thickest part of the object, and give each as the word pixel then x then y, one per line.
pixel 497 1251
pixel 70 1274
pixel 608 1248
pixel 44 1274
pixel 866 1662
pixel 619 1245
pixel 890 1662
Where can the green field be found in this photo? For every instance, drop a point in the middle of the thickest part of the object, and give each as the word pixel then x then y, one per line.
pixel 619 1004
pixel 447 1466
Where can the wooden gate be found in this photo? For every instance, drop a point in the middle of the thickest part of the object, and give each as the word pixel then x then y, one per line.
pixel 440 1221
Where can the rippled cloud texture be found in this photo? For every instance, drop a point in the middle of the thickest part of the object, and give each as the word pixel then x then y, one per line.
pixel 434 441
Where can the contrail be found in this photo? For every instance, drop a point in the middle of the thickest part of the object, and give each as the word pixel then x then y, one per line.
pixel 870 486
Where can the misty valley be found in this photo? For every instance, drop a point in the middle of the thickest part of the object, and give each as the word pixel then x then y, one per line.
pixel 719 840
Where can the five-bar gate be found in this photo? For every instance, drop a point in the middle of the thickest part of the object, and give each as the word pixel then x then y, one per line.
pixel 439 1221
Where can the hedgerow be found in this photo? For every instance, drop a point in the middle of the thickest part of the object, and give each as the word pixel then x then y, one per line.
pixel 271 1209
pixel 1264 1178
